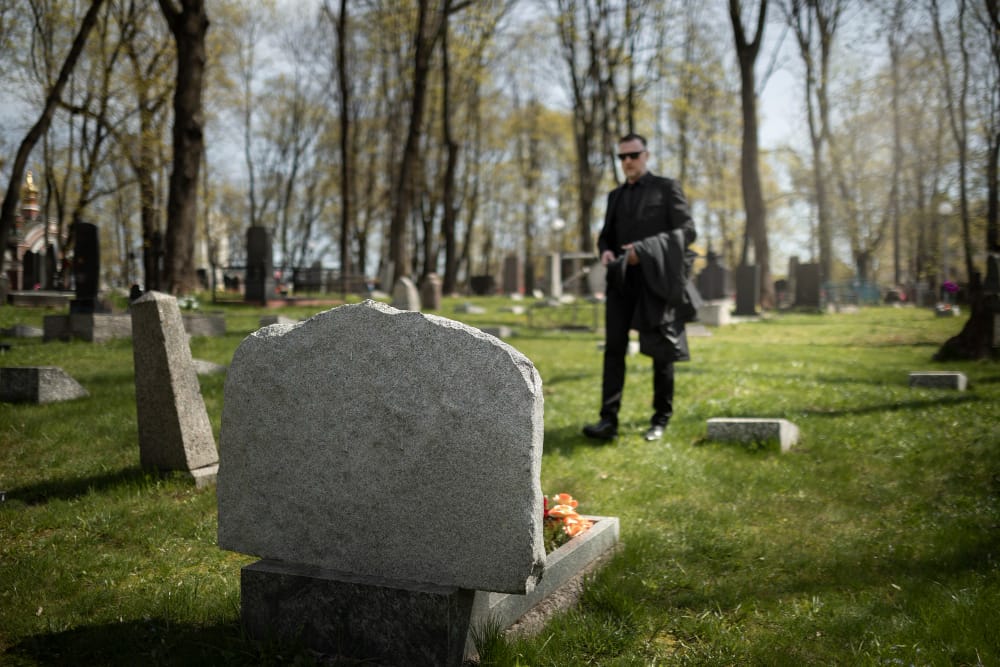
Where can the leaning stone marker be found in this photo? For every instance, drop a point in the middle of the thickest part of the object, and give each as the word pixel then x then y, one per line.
pixel 38 384
pixel 386 465
pixel 174 431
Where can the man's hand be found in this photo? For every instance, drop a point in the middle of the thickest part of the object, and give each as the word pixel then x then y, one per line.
pixel 633 258
pixel 607 257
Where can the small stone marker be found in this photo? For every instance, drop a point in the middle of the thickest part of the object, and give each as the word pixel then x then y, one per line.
pixel 386 465
pixel 405 295
pixel 174 431
pixel 38 384
pixel 939 380
pixel 754 430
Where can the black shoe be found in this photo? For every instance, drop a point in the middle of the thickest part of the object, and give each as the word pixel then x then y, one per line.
pixel 654 433
pixel 602 430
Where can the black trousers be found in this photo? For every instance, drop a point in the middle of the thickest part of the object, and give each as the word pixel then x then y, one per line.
pixel 618 313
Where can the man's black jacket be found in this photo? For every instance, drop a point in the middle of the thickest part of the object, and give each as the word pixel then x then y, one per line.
pixel 660 228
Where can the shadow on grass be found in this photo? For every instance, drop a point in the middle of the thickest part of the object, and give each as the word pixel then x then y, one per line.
pixel 155 642
pixel 921 404
pixel 69 489
pixel 162 642
pixel 570 438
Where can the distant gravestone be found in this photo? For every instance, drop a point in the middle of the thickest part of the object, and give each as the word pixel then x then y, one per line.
pixel 750 430
pixel 513 275
pixel 405 295
pixel 260 266
pixel 713 281
pixel 747 289
pixel 430 292
pixel 597 280
pixel 939 380
pixel 38 384
pixel 354 447
pixel 174 430
pixel 808 286
pixel 86 267
pixel 553 275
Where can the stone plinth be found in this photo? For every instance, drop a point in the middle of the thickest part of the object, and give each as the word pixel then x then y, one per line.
pixel 91 327
pixel 38 384
pixel 205 324
pixel 749 430
pixel 369 618
pixel 939 380
pixel 174 430
pixel 715 314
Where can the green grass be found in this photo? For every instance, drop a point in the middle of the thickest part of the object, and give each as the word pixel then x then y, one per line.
pixel 875 541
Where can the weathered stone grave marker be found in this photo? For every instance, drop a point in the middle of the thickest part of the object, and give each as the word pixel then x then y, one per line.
pixel 38 384
pixel 405 295
pixel 939 379
pixel 385 465
pixel 749 430
pixel 174 431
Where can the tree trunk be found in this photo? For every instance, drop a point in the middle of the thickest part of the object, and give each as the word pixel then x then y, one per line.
pixel 753 199
pixel 448 193
pixel 428 30
pixel 189 26
pixel 8 212
pixel 347 166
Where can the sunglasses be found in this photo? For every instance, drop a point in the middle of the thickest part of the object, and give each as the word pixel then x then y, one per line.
pixel 633 156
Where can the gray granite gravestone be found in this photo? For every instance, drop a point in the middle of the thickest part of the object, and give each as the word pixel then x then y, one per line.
pixel 513 274
pixel 38 384
pixel 174 431
pixel 747 289
pixel 808 287
pixel 430 292
pixel 405 295
pixel 553 275
pixel 749 430
pixel 385 464
pixel 713 281
pixel 260 266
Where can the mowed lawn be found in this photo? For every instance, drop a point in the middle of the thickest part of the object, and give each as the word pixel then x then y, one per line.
pixel 875 541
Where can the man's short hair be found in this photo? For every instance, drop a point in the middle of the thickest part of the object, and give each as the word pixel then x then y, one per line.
pixel 632 136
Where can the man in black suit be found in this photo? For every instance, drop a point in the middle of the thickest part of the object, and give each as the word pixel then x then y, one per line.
pixel 647 229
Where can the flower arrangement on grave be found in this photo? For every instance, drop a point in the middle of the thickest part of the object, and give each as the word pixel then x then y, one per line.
pixel 561 521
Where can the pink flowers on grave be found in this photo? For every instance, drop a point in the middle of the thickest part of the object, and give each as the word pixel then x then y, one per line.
pixel 564 513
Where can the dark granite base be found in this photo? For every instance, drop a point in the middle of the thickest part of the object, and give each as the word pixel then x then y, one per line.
pixel 388 622
pixel 400 623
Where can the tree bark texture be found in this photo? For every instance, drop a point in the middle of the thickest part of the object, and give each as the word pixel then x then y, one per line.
pixel 189 25
pixel 753 198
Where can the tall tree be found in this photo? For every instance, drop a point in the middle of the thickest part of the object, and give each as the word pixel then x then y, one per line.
pixel 747 51
pixel 8 212
pixel 807 18
pixel 592 39
pixel 430 21
pixel 189 25
pixel 974 341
